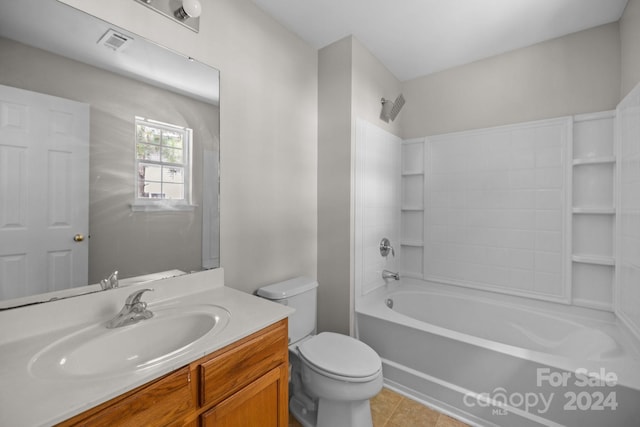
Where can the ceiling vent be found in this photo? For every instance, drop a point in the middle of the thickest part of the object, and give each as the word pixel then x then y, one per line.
pixel 114 40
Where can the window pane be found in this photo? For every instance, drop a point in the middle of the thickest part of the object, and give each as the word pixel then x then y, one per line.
pixel 173 191
pixel 149 172
pixel 172 174
pixel 153 190
pixel 172 139
pixel 149 134
pixel 171 155
pixel 147 152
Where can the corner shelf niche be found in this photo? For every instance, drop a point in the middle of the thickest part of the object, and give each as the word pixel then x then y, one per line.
pixel 594 161
pixel 412 212
pixel 594 260
pixel 593 213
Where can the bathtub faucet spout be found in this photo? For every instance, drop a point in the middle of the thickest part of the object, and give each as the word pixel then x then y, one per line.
pixel 386 274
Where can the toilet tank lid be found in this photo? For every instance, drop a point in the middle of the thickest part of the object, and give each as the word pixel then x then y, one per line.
pixel 288 288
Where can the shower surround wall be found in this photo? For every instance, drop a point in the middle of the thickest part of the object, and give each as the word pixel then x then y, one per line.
pixel 627 302
pixel 496 209
pixel 377 211
pixel 516 209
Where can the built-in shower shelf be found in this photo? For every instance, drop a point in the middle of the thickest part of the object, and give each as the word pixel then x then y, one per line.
pixel 594 211
pixel 412 205
pixel 592 304
pixel 593 169
pixel 594 259
pixel 594 160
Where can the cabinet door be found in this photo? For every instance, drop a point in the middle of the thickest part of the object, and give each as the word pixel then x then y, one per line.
pixel 163 403
pixel 262 403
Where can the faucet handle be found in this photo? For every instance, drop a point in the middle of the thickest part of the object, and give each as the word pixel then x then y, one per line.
pixel 110 282
pixel 113 279
pixel 135 297
pixel 385 248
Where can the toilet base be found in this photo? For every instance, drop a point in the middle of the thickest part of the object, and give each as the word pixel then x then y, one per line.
pixel 304 416
pixel 333 413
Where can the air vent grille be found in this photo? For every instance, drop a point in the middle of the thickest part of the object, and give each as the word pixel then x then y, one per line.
pixel 114 40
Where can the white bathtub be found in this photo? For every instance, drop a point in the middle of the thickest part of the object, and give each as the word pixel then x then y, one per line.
pixel 497 360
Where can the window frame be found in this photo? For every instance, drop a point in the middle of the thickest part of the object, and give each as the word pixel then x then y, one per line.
pixel 147 204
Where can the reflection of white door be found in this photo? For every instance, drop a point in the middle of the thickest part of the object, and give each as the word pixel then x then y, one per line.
pixel 44 193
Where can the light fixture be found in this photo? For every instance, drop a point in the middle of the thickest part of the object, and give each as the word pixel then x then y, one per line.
pixel 185 12
pixel 189 9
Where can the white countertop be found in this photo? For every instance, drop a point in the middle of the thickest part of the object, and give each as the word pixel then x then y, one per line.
pixel 26 400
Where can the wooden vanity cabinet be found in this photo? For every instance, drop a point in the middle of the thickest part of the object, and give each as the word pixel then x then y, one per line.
pixel 244 384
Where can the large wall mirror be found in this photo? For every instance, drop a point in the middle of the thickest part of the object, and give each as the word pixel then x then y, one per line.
pixel 109 155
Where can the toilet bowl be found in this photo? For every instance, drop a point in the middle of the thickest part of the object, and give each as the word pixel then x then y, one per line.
pixel 333 376
pixel 342 373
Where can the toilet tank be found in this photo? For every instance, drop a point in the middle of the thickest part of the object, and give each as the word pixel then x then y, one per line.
pixel 299 293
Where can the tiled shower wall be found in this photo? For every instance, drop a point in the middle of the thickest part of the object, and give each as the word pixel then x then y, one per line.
pixel 627 303
pixel 495 215
pixel 377 210
pixel 525 209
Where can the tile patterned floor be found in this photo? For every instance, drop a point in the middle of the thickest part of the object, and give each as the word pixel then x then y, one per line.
pixel 390 409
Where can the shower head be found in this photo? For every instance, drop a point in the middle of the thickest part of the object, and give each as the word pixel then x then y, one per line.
pixel 390 110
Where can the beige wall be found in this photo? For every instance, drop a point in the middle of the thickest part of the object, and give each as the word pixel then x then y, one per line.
pixel 372 81
pixel 351 83
pixel 268 131
pixel 578 73
pixel 334 189
pixel 630 46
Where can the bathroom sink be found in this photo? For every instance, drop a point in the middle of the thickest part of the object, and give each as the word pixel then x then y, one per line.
pixel 96 351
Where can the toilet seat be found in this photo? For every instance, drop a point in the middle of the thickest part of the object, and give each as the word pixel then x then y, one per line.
pixel 340 357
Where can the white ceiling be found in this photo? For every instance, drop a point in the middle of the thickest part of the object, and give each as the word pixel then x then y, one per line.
pixel 418 37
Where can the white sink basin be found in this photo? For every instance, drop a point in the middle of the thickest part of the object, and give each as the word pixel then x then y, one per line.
pixel 96 351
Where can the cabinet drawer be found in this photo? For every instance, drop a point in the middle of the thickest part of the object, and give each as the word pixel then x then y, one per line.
pixel 161 403
pixel 229 372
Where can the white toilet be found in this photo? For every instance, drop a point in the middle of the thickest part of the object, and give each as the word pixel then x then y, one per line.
pixel 333 376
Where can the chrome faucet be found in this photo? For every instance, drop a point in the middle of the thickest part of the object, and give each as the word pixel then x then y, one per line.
pixel 386 274
pixel 110 282
pixel 133 311
pixel 385 248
